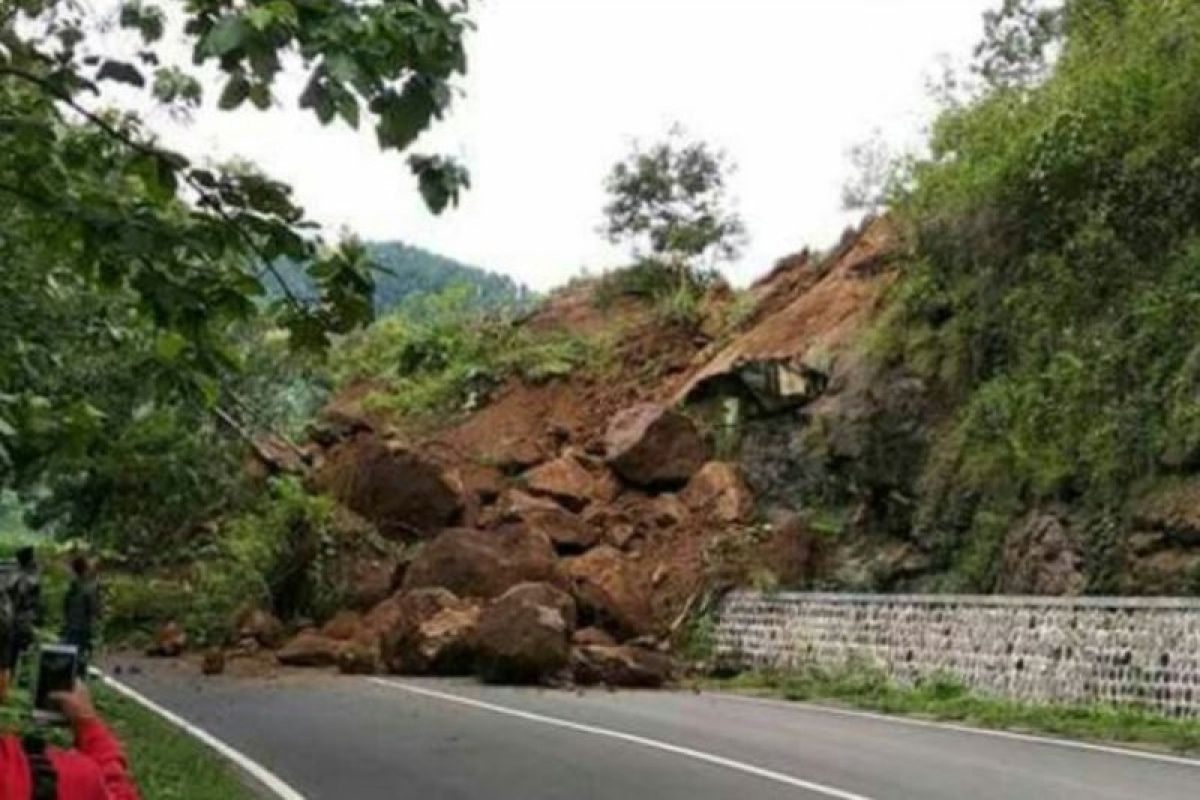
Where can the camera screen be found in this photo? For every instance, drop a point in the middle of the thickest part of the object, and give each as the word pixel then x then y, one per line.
pixel 56 673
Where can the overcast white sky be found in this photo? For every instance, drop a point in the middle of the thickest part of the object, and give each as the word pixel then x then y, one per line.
pixel 559 88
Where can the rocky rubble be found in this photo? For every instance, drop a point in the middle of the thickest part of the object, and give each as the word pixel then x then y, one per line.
pixel 561 531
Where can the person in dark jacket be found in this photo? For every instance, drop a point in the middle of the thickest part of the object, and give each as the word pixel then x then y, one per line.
pixel 81 610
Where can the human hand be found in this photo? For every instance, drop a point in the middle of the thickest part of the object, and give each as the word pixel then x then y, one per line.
pixel 76 705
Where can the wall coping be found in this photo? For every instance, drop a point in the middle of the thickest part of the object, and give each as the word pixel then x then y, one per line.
pixel 998 601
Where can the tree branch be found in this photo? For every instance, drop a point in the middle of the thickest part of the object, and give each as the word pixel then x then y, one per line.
pixel 116 133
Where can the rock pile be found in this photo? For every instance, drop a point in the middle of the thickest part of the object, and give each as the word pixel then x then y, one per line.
pixel 567 565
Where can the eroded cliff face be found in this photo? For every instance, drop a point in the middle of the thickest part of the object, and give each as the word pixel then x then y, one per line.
pixel 772 445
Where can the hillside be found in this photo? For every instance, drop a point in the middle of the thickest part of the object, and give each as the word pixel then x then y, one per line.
pixel 990 388
pixel 406 271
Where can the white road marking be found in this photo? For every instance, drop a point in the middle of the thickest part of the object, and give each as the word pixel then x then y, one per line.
pixel 950 726
pixel 260 773
pixel 654 744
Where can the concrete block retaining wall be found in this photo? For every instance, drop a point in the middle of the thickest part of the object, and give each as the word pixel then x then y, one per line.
pixel 1111 650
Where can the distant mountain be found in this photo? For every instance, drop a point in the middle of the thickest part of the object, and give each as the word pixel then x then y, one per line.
pixel 407 271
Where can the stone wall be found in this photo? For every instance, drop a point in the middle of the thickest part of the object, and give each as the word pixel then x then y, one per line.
pixel 1110 650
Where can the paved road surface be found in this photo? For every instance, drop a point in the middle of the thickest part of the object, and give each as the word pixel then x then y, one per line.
pixel 371 739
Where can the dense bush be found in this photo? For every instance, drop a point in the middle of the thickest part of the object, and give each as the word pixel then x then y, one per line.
pixel 441 354
pixel 274 555
pixel 1056 289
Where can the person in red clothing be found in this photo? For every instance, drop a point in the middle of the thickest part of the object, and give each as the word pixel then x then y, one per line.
pixel 95 769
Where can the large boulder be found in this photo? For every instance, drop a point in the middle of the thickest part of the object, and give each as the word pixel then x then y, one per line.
pixel 632 667
pixel 523 635
pixel 343 626
pixel 1041 557
pixel 568 481
pixel 606 582
pixel 544 594
pixel 432 634
pixel 568 532
pixel 719 492
pixel 259 626
pixel 404 494
pixel 483 564
pixel 309 649
pixel 358 658
pixel 652 446
pixel 170 641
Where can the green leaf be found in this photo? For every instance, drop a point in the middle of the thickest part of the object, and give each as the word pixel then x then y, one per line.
pixel 170 346
pixel 260 96
pixel 347 107
pixel 237 89
pixel 121 72
pixel 402 117
pixel 229 34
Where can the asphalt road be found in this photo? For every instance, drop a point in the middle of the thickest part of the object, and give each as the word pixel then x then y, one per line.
pixel 370 739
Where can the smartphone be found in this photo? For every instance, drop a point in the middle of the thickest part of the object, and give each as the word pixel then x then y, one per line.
pixel 56 668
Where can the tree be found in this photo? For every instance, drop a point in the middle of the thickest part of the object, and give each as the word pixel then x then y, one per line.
pixel 107 236
pixel 1018 42
pixel 670 203
pixel 874 169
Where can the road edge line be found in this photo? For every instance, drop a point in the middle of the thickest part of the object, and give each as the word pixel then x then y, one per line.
pixel 653 744
pixel 258 772
pixel 1073 744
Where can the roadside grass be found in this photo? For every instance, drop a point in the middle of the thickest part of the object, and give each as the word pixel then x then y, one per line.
pixel 944 699
pixel 167 764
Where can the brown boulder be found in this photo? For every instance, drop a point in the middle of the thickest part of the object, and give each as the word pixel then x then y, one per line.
pixel 483 482
pixel 343 626
pixel 632 667
pixel 522 635
pixel 382 618
pixel 650 445
pixel 568 532
pixel 260 626
pixel 213 662
pixel 432 634
pixel 543 594
pixel 358 658
pixel 566 480
pixel 405 495
pixel 606 582
pixel 1040 557
pixel 484 564
pixel 592 636
pixel 1172 508
pixel 309 649
pixel 719 492
pixel 666 511
pixel 170 641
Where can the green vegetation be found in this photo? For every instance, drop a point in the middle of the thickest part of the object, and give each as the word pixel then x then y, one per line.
pixel 1054 292
pixel 279 553
pixel 135 280
pixel 404 271
pixel 12 520
pixel 443 353
pixel 669 203
pixel 944 699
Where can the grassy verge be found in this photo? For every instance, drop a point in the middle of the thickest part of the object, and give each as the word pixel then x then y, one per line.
pixel 946 700
pixel 167 764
